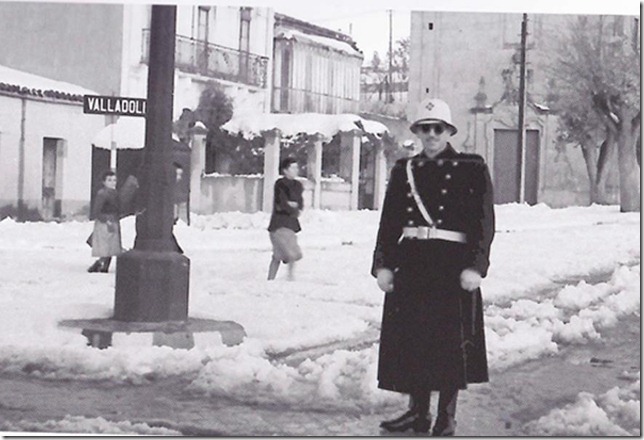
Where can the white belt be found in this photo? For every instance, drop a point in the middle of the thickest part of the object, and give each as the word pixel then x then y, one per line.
pixel 427 233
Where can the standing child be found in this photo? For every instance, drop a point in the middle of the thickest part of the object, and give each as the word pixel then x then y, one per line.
pixel 284 222
pixel 106 238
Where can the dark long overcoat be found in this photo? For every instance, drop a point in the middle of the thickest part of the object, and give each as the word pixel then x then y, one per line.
pixel 432 330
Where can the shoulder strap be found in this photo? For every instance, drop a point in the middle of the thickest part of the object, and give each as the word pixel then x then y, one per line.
pixel 417 199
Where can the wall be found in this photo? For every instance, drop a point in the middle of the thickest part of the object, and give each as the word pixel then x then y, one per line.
pixel 320 80
pixel 52 120
pixel 223 30
pixel 221 193
pixel 449 61
pixel 230 193
pixel 72 42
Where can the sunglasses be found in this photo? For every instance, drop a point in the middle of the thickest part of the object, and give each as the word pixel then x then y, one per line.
pixel 427 128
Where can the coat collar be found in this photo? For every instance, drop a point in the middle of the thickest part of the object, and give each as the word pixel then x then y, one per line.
pixel 448 153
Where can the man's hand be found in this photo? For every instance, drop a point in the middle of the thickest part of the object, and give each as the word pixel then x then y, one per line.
pixel 293 204
pixel 385 280
pixel 470 280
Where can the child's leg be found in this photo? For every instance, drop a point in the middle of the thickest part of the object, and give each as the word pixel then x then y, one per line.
pixel 273 267
pixel 291 271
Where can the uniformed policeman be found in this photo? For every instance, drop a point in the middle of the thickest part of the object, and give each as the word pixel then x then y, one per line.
pixel 432 251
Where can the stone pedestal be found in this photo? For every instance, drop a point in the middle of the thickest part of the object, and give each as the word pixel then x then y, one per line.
pixel 350 143
pixel 314 168
pixel 380 176
pixel 151 286
pixel 175 334
pixel 272 140
pixel 197 168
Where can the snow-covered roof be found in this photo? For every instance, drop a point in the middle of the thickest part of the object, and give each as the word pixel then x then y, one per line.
pixel 127 132
pixel 340 46
pixel 252 125
pixel 17 81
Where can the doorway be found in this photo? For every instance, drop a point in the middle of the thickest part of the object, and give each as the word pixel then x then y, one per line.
pixel 507 167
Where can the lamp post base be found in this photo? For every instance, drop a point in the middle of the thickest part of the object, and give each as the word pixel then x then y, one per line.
pixel 151 286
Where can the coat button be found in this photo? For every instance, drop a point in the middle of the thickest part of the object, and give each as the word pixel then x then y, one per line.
pixel 443 191
pixel 439 222
pixel 448 176
pixel 409 195
pixel 410 223
pixel 421 163
pixel 440 162
pixel 454 163
pixel 441 208
pixel 410 209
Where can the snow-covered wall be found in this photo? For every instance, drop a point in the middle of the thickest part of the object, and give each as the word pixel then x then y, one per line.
pixel 225 193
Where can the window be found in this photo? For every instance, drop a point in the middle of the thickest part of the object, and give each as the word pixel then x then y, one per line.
pixel 202 23
pixel 244 43
pixel 244 29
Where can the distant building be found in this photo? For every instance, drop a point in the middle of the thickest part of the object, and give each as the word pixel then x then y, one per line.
pixel 316 70
pixel 104 47
pixel 471 60
pixel 45 147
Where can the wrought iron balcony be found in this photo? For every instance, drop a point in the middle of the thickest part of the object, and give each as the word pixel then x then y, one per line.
pixel 212 60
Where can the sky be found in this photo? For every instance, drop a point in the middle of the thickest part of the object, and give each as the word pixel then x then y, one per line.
pixel 368 22
pixel 367 25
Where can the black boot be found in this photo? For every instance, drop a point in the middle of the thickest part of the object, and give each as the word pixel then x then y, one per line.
pixel 417 418
pixel 105 264
pixel 445 422
pixel 96 266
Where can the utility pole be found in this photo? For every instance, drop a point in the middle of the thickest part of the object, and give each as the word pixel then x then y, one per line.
pixel 152 279
pixel 522 108
pixel 390 83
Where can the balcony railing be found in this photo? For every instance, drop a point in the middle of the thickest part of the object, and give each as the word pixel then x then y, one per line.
pixel 212 60
pixel 290 100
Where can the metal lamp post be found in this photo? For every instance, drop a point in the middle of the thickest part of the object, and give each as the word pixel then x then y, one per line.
pixel 152 279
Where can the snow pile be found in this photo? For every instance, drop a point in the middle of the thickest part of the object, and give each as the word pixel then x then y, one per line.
pixel 252 124
pixel 334 300
pixel 516 217
pixel 84 425
pixel 343 379
pixel 135 365
pixel 230 220
pixel 340 46
pixel 531 328
pixel 615 413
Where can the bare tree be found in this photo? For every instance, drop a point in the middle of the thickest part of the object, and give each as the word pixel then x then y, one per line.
pixel 598 67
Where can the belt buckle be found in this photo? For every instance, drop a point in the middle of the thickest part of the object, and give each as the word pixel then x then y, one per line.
pixel 423 233
pixel 432 233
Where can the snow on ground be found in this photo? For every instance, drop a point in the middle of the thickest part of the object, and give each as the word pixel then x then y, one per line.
pixel 529 328
pixel 72 424
pixel 614 413
pixel 43 280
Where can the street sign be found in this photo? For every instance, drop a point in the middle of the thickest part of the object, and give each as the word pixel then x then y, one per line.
pixel 113 105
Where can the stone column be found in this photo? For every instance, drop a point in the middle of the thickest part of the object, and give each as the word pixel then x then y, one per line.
pixel 272 140
pixel 350 143
pixel 314 167
pixel 197 169
pixel 380 176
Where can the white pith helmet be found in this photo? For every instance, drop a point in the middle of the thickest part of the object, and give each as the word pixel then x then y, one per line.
pixel 433 110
